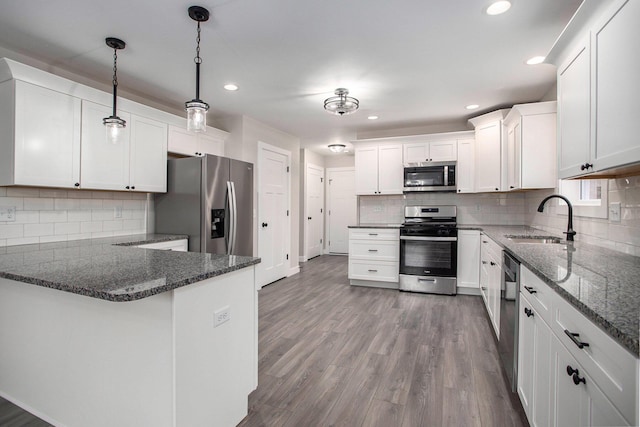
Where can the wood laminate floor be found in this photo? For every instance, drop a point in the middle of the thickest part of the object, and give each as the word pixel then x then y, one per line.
pixel 335 355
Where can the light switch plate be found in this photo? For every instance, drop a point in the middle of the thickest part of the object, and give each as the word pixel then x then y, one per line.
pixel 614 212
pixel 7 213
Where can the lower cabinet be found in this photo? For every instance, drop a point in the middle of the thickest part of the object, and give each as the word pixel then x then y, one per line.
pixel 491 279
pixel 374 255
pixel 468 275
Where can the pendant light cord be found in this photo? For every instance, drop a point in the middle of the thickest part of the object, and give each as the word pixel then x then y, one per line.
pixel 115 79
pixel 198 61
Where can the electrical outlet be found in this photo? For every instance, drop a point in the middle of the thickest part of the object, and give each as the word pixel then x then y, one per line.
pixel 7 213
pixel 221 316
pixel 117 212
pixel 614 212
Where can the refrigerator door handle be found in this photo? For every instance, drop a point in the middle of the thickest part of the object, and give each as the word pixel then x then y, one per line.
pixel 229 237
pixel 234 218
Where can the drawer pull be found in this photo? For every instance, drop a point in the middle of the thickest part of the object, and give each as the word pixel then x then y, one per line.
pixel 574 337
pixel 577 380
pixel 571 371
pixel 528 312
pixel 485 241
pixel 373 250
pixel 484 262
pixel 373 271
pixel 530 290
pixel 492 263
pixel 373 234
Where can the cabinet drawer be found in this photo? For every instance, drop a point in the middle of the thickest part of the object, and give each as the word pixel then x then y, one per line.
pixel 613 369
pixel 381 271
pixel 492 247
pixel 385 250
pixel 537 293
pixel 374 233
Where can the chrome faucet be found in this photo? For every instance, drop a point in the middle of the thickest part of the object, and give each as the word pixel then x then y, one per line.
pixel 570 233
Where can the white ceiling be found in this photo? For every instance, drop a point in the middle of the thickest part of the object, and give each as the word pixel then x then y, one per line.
pixel 410 62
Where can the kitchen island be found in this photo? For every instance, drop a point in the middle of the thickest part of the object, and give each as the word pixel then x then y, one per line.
pixel 100 333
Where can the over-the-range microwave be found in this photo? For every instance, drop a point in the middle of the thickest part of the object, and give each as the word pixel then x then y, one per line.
pixel 431 176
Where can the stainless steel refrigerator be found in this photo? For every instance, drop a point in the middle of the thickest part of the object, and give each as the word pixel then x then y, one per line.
pixel 210 199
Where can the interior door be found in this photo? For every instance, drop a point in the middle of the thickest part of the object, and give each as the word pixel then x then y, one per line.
pixel 342 207
pixel 273 219
pixel 314 212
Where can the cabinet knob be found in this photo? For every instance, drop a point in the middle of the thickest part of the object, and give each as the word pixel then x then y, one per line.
pixel 459 191
pixel 133 187
pixel 497 189
pixel 577 380
pixel 528 312
pixel 309 218
pixel 264 224
pixel 586 166
pixel 571 371
pixel 492 263
pixel 127 187
pixel 77 184
pixel 511 186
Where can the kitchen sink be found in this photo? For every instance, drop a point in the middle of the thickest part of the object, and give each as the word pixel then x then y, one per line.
pixel 533 239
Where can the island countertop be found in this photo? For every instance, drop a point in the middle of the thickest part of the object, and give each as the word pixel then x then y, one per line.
pixel 113 268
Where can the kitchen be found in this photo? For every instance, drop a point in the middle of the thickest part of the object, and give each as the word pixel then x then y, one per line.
pixel 54 214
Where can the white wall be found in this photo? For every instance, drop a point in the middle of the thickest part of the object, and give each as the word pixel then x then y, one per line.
pixel 340 161
pixel 54 215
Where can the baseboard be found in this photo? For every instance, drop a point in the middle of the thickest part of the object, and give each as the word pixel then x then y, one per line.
pixel 374 284
pixel 293 270
pixel 468 291
pixel 302 258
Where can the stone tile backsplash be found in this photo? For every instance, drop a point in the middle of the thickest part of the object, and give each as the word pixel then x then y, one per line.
pixel 54 215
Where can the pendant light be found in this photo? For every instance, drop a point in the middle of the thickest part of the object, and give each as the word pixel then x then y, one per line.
pixel 113 123
pixel 196 108
pixel 341 104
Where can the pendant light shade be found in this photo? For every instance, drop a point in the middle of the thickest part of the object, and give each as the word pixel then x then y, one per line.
pixel 341 104
pixel 113 123
pixel 196 108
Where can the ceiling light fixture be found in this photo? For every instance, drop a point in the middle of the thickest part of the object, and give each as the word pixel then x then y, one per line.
pixel 113 123
pixel 372 117
pixel 231 87
pixel 498 7
pixel 341 104
pixel 472 106
pixel 535 60
pixel 196 108
pixel 337 148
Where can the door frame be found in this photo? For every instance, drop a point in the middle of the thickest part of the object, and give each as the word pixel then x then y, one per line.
pixel 322 169
pixel 326 249
pixel 263 146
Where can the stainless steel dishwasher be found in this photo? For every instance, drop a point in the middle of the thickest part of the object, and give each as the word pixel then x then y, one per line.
pixel 509 306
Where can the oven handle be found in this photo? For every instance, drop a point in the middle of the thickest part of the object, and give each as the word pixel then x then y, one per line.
pixel 430 239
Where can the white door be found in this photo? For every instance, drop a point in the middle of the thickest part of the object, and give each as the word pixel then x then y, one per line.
pixel 148 155
pixel 314 218
pixel 342 208
pixel 273 209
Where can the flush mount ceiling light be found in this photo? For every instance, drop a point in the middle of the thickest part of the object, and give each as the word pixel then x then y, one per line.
pixel 535 60
pixel 498 7
pixel 472 106
pixel 337 148
pixel 196 108
pixel 113 123
pixel 341 104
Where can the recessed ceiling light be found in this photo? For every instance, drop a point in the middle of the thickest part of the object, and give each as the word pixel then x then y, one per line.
pixel 231 86
pixel 372 117
pixel 535 60
pixel 472 106
pixel 498 7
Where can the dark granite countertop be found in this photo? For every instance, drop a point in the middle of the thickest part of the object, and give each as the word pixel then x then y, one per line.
pixel 601 283
pixel 376 226
pixel 111 268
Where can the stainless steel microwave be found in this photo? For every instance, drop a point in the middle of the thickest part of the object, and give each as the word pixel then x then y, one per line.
pixel 433 176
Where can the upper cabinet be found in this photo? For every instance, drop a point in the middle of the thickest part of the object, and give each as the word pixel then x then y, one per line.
pixel 597 87
pixel 465 168
pixel 39 136
pixel 379 169
pixel 531 146
pixel 186 143
pixel 435 151
pixel 488 151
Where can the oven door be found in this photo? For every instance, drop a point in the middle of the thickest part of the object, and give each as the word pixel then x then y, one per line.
pixel 428 256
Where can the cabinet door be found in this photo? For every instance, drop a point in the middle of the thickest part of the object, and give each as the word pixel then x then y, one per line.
pixel 441 151
pixel 468 274
pixel 495 285
pixel 512 158
pixel 181 141
pixel 465 168
pixel 105 166
pixel 208 144
pixel 416 152
pixel 536 142
pixel 488 157
pixel 366 170
pixel 148 166
pixel 390 169
pixel 616 87
pixel 47 137
pixel 574 112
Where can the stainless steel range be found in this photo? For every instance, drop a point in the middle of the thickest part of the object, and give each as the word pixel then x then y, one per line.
pixel 429 250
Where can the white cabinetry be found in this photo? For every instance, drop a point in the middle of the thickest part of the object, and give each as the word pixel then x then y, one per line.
pixel 597 90
pixel 468 276
pixel 186 143
pixel 531 146
pixel 39 136
pixel 379 169
pixel 465 168
pixel 435 151
pixel 374 255
pixel 491 279
pixel 137 163
pixel 488 152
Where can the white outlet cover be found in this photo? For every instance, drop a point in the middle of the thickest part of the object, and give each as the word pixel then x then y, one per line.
pixel 8 213
pixel 614 212
pixel 221 316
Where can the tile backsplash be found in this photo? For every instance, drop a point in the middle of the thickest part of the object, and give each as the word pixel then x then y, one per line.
pixel 53 215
